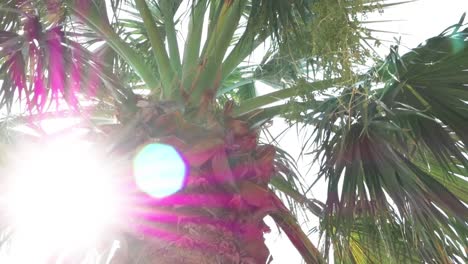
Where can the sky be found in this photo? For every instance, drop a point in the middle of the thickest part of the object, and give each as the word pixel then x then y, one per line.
pixel 412 23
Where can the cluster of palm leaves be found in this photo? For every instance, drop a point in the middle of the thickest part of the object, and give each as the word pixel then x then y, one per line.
pixel 391 142
pixel 395 158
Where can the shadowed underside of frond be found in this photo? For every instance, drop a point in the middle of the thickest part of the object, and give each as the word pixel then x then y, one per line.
pixel 395 159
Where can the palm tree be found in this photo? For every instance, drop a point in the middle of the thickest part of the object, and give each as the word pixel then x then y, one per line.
pixel 391 142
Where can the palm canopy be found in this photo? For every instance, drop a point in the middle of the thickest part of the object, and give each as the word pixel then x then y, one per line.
pixel 400 153
pixel 391 142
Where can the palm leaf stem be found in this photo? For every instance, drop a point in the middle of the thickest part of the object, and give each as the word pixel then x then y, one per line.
pixel 285 187
pixel 92 18
pixel 253 35
pixel 273 97
pixel 192 44
pixel 157 45
pixel 171 34
pixel 209 70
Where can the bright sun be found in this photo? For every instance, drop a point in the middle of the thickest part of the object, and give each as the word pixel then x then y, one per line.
pixel 59 198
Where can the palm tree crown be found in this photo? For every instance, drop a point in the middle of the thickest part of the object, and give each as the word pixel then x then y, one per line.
pixel 390 141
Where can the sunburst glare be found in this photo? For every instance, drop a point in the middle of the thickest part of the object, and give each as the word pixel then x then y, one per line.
pixel 59 198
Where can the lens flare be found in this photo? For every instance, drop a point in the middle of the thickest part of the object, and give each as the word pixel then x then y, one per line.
pixel 59 198
pixel 159 170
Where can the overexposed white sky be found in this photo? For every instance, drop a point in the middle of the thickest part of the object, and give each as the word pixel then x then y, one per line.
pixel 414 23
pixel 420 20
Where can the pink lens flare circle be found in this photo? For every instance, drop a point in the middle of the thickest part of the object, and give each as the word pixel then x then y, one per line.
pixel 159 170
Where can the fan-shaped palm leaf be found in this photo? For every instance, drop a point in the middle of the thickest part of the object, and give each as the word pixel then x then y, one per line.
pixel 391 157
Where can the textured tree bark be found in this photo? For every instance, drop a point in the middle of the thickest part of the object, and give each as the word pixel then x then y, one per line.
pixel 218 216
pixel 201 243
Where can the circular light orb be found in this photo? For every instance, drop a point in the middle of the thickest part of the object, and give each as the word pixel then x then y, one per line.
pixel 159 170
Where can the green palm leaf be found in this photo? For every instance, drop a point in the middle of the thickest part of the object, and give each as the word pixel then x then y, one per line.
pixel 391 156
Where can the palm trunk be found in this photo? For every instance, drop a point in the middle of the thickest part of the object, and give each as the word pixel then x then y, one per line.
pixel 218 216
pixel 199 243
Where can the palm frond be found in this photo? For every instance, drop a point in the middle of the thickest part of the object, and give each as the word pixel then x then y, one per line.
pixel 391 156
pixel 43 67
